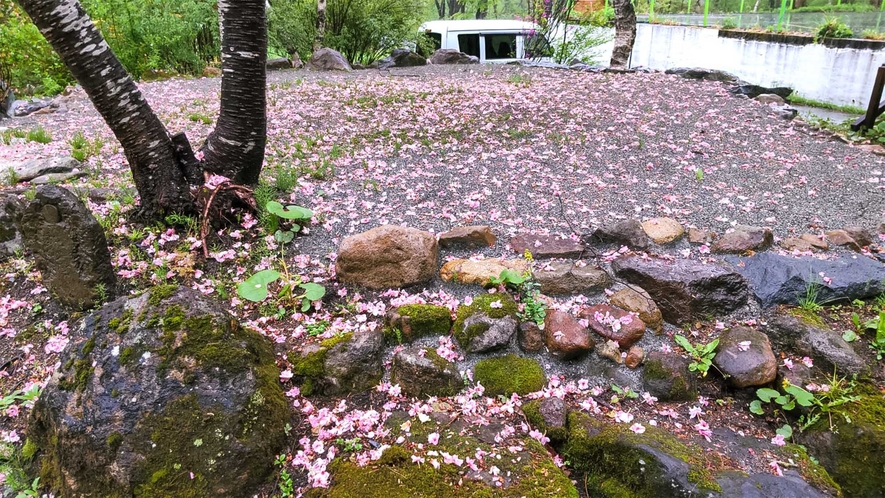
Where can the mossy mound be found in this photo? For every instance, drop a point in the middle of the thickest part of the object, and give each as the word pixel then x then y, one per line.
pixel 619 463
pixel 495 306
pixel 394 475
pixel 164 395
pixel 412 321
pixel 532 412
pixel 346 363
pixel 509 374
pixel 853 451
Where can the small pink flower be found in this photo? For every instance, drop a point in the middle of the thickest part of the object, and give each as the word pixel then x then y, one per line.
pixel 778 440
pixel 788 363
pixel 807 362
pixel 496 304
pixel 433 438
pixel 285 375
pixel 637 428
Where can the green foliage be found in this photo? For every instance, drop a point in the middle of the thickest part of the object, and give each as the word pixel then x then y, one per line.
pixel 33 66
pixel 833 27
pixel 287 487
pixel 872 34
pixel 82 149
pixel 39 135
pixel 729 23
pixel 702 354
pixel 797 99
pixel 877 343
pixel 579 45
pixel 823 402
pixel 842 7
pixel 255 288
pixel 809 301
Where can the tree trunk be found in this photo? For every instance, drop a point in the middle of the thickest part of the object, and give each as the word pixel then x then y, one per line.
pixel 440 8
pixel 155 168
pixel 235 148
pixel 321 25
pixel 625 32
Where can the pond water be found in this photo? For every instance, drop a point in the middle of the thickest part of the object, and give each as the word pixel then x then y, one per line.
pixel 834 116
pixel 800 21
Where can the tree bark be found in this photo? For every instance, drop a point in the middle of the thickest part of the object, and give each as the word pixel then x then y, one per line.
pixel 440 8
pixel 235 148
pixel 625 32
pixel 157 172
pixel 321 25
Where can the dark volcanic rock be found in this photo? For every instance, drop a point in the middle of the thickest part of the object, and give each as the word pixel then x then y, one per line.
pixel 822 344
pixel 546 246
pixel 452 56
pixel 699 73
pixel 10 236
pixel 667 377
pixel 745 357
pixel 402 57
pixel 488 334
pixel 628 232
pixel 685 289
pixel 421 372
pixel 70 247
pixel 776 279
pixel 754 91
pixel 154 389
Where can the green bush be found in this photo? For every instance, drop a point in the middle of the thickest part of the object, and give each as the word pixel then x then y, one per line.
pixel 833 28
pixel 32 65
pixel 729 23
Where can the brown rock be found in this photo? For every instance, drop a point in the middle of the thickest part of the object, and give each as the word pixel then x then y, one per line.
pixel 815 241
pixel 796 244
pixel 640 303
pixel 561 278
pixel 326 59
pixel 874 148
pixel 546 246
pixel 480 272
pixel 211 72
pixel 530 337
pixel 770 98
pixel 667 377
pixel 745 357
pixel 615 324
pixel 627 232
pixel 696 236
pixel 663 230
pixel 841 238
pixel 634 357
pixel 469 236
pixel 742 239
pixel 387 256
pixel 610 350
pixel 566 339
pixel 861 235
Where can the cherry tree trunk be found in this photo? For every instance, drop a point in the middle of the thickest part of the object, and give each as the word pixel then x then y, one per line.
pixel 235 148
pixel 156 170
pixel 625 32
pixel 321 25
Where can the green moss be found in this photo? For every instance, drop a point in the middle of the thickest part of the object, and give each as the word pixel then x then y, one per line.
pixel 812 472
pixel 614 458
pixel 509 374
pixel 127 355
pixel 532 411
pixel 420 320
pixel 160 293
pixel 114 441
pixel 679 390
pixel 121 323
pixel 312 366
pixel 482 304
pixel 29 449
pixel 809 317
pixel 82 369
pixel 173 319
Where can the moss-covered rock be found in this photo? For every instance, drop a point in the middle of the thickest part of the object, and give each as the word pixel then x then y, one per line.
pixel 409 322
pixel 347 363
pixel 853 450
pixel 423 372
pixel 494 306
pixel 509 374
pixel 531 473
pixel 620 463
pixel 667 377
pixel 138 413
pixel 548 415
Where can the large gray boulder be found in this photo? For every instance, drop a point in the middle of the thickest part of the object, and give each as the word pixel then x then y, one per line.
pixel 452 56
pixel 699 73
pixel 776 279
pixel 69 246
pixel 326 59
pixel 163 394
pixel 35 168
pixel 402 57
pixel 388 256
pixel 685 289
pixel 817 341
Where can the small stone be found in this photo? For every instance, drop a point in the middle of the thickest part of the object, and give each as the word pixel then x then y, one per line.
pixel 819 342
pixel 873 148
pixel 663 230
pixel 631 299
pixel 421 372
pixel 796 244
pixel 10 235
pixel 387 256
pixel 815 241
pixel 611 350
pixel 614 323
pixel 566 339
pixel 770 98
pixel 547 246
pixel 468 271
pixel 745 365
pixel 634 357
pixel 666 376
pixel 743 239
pixel 697 236
pixel 488 334
pixel 798 375
pixel 861 235
pixel 627 232
pixel 841 238
pixel 468 236
pixel 530 337
pixel 561 278
pixel 554 413
pixel 354 365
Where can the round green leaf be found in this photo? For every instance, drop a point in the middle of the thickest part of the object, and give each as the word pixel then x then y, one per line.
pixel 786 431
pixel 255 287
pixel 756 407
pixel 312 291
pixel 289 212
pixel 283 237
pixel 849 336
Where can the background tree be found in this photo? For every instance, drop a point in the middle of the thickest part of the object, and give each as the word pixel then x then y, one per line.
pixel 164 167
pixel 625 32
pixel 321 25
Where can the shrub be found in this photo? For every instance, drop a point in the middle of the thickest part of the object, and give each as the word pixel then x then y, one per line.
pixel 32 65
pixel 833 27
pixel 729 23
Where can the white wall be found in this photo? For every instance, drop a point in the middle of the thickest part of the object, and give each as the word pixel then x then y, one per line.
pixel 841 76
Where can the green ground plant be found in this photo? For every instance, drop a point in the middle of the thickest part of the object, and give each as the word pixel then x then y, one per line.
pixel 701 354
pixel 832 27
pixel 812 405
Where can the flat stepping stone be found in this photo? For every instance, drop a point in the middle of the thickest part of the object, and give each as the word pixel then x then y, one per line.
pixel 480 272
pixel 547 246
pixel 663 230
